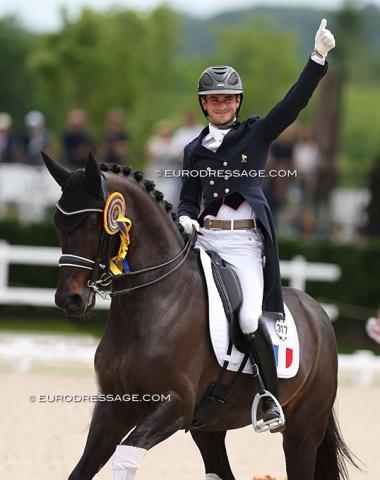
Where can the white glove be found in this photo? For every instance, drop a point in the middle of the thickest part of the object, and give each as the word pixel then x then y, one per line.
pixel 188 224
pixel 324 39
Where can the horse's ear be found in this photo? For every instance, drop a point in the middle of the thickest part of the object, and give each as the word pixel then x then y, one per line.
pixel 57 171
pixel 93 179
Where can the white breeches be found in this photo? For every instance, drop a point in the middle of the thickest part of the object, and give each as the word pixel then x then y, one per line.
pixel 243 250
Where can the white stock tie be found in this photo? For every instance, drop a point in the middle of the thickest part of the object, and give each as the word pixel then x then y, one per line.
pixel 215 138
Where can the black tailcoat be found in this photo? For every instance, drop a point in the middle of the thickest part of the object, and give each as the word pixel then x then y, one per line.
pixel 239 165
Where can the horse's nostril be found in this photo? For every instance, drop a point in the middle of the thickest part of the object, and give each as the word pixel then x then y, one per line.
pixel 72 303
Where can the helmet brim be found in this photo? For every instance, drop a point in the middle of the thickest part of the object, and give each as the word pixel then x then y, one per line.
pixel 221 92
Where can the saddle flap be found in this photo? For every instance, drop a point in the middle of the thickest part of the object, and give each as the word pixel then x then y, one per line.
pixel 228 286
pixel 227 283
pixel 287 351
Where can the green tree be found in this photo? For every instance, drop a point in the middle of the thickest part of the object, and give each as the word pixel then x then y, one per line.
pixel 351 56
pixel 102 60
pixel 358 93
pixel 265 58
pixel 17 94
pixel 360 144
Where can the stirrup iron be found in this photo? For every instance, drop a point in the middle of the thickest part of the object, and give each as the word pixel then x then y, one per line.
pixel 274 424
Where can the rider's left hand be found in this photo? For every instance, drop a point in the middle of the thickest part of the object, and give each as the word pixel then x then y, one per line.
pixel 324 39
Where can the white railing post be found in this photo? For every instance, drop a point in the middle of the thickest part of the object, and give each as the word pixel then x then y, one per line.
pixel 298 268
pixel 298 271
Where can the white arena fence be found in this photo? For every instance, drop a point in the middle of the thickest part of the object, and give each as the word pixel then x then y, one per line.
pixel 19 352
pixel 297 271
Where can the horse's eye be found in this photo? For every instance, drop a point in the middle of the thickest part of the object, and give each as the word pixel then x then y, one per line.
pixel 93 224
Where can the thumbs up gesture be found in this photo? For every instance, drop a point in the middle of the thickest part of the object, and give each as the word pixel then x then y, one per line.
pixel 324 39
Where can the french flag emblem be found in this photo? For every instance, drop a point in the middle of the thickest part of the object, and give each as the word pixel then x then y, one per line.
pixel 283 355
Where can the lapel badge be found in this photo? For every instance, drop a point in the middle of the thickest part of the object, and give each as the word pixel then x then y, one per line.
pixel 243 158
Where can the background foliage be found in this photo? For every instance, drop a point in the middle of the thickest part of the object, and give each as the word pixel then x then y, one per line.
pixel 149 64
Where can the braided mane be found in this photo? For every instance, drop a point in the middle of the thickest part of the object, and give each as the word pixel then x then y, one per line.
pixel 148 184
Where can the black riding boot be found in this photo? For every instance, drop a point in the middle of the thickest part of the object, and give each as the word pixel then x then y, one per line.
pixel 262 354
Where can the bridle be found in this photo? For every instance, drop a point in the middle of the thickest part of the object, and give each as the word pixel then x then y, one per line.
pixel 101 275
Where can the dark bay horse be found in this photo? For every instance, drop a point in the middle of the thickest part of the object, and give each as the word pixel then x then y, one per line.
pixel 157 341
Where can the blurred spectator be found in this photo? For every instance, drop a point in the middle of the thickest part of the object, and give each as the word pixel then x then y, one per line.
pixel 270 191
pixel 280 159
pixel 35 138
pixel 161 159
pixel 8 143
pixel 372 327
pixel 159 151
pixel 182 136
pixel 306 154
pixel 115 147
pixel 185 134
pixel 373 208
pixel 76 139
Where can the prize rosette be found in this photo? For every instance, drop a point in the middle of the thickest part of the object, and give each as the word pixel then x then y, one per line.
pixel 116 222
pixel 114 211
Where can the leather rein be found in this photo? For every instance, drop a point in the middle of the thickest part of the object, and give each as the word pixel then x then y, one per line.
pixel 183 253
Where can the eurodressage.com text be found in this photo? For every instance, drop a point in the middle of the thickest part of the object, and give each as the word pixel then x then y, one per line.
pixel 226 173
pixel 100 397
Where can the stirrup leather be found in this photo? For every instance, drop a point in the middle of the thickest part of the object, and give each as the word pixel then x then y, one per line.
pixel 274 424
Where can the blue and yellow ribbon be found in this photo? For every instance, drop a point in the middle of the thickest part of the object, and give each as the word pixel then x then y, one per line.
pixel 116 222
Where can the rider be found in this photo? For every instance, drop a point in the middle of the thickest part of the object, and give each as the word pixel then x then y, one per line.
pixel 225 161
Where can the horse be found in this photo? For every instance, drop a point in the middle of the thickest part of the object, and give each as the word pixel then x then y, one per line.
pixel 157 342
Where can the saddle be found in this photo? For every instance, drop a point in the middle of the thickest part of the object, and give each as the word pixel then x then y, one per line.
pixel 213 403
pixel 228 285
pixel 225 298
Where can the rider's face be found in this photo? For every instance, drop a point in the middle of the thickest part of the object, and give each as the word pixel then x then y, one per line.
pixel 221 108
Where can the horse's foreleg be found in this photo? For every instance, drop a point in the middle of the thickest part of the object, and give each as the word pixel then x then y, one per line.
pixel 164 420
pixel 104 434
pixel 214 454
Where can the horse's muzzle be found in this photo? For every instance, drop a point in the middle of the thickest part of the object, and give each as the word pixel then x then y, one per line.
pixel 75 304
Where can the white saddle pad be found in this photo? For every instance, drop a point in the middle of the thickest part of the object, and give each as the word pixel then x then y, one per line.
pixel 286 351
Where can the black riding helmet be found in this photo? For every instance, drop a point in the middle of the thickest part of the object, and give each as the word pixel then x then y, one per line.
pixel 220 79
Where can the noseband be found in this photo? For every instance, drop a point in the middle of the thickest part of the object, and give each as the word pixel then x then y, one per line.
pixel 101 275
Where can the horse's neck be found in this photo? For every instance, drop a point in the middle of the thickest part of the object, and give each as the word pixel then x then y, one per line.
pixel 144 310
pixel 154 236
pixel 139 320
